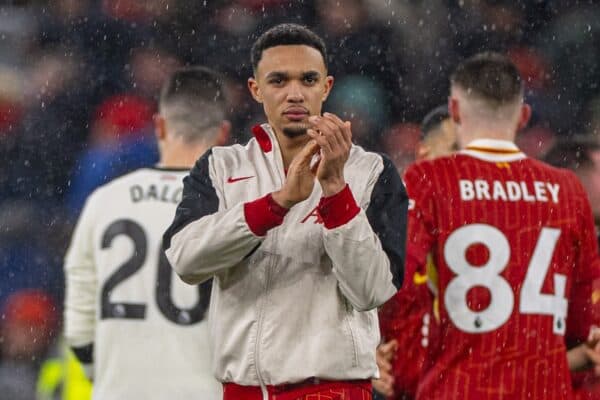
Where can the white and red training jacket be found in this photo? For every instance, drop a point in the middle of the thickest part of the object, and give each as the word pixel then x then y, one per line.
pixel 294 293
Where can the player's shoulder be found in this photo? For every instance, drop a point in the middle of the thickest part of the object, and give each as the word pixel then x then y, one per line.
pixel 551 169
pixel 361 158
pixel 377 169
pixel 231 152
pixel 232 156
pixel 104 193
pixel 220 161
pixel 570 188
pixel 138 176
pixel 262 140
pixel 430 177
pixel 427 168
pixel 565 177
pixel 117 182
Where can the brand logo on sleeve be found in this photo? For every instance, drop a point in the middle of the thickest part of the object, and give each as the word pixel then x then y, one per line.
pixel 313 214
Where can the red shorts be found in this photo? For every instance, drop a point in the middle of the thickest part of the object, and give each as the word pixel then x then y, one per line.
pixel 310 389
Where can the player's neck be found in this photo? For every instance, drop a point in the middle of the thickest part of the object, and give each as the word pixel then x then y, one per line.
pixel 467 136
pixel 182 156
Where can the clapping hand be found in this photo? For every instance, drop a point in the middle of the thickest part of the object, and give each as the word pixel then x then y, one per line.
pixel 334 138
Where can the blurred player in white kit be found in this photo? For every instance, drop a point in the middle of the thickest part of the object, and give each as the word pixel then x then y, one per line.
pixel 138 330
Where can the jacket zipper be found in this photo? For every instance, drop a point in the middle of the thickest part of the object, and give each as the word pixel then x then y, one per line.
pixel 348 321
pixel 263 387
pixel 279 168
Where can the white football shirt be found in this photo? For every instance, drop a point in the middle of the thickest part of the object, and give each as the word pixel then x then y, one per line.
pixel 148 328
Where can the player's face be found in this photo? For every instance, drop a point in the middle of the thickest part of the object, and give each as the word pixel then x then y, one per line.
pixel 292 83
pixel 440 143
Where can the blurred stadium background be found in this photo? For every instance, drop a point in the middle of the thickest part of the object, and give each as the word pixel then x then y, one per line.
pixel 79 80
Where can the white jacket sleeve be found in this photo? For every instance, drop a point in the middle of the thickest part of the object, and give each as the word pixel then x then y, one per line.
pixel 368 250
pixel 81 288
pixel 203 241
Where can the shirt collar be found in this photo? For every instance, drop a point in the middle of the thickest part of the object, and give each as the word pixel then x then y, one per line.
pixel 493 146
pixel 494 150
pixel 264 136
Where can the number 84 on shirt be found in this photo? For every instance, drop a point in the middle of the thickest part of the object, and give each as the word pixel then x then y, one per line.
pixel 502 298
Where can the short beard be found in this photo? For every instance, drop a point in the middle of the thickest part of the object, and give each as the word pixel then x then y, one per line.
pixel 294 132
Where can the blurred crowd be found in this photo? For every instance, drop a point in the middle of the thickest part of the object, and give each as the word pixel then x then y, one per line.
pixel 79 81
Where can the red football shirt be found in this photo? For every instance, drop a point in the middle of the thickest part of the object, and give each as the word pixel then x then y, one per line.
pixel 513 240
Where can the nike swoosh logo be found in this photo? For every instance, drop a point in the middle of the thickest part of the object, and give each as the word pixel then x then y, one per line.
pixel 242 178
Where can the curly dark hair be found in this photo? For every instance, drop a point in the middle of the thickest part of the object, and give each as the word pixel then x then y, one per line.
pixel 286 34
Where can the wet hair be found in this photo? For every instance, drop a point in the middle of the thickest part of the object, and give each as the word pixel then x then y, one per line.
pixel 283 35
pixel 193 101
pixel 490 76
pixel 433 120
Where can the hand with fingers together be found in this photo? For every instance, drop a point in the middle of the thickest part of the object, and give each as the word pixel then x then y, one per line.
pixel 334 138
pixel 592 349
pixel 385 354
pixel 300 178
pixel 586 355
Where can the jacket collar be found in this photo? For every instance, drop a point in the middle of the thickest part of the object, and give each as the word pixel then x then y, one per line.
pixel 265 137
pixel 494 150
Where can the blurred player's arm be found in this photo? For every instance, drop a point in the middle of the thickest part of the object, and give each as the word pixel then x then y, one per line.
pixel 367 248
pixel 421 223
pixel 203 241
pixel 81 289
pixel 586 355
pixel 419 242
pixel 584 314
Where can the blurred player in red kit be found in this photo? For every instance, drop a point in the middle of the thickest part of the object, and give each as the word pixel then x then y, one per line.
pixel 580 154
pixel 406 319
pixel 438 135
pixel 513 241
